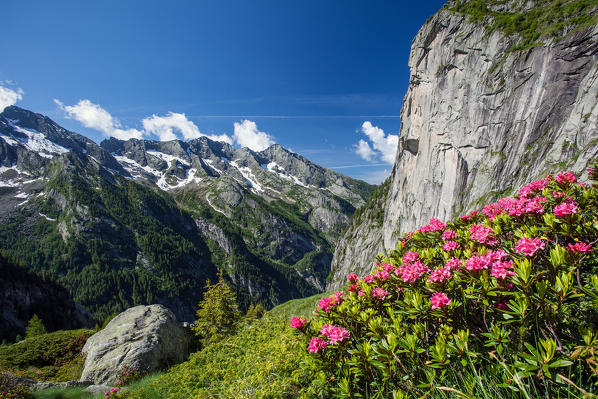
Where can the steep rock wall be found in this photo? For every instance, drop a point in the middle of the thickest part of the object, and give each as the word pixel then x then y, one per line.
pixel 478 121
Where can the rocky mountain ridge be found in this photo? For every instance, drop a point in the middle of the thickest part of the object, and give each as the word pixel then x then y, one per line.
pixel 481 117
pixel 153 220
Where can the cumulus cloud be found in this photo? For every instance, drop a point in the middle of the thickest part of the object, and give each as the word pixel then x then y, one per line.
pixel 95 117
pixel 384 146
pixel 165 126
pixel 364 150
pixel 9 97
pixel 246 134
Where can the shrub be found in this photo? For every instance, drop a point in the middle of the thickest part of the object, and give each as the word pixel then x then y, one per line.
pixel 11 387
pixel 509 292
pixel 35 327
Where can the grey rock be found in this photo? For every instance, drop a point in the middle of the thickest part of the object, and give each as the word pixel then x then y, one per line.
pixel 147 338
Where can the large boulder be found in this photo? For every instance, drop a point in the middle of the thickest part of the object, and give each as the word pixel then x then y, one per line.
pixel 147 338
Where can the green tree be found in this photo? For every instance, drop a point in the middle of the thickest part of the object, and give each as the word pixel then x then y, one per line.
pixel 35 327
pixel 218 313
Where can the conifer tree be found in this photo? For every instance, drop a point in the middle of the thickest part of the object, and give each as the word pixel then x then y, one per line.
pixel 35 327
pixel 218 313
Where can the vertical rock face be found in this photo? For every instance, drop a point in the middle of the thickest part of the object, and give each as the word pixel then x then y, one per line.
pixel 479 121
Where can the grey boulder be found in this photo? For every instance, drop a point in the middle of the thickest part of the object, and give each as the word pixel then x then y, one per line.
pixel 147 338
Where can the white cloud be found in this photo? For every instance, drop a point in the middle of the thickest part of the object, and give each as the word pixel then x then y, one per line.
pixel 95 117
pixel 364 150
pixel 9 97
pixel 165 126
pixel 247 135
pixel 384 145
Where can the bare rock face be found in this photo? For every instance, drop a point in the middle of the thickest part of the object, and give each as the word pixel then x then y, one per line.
pixel 147 338
pixel 479 121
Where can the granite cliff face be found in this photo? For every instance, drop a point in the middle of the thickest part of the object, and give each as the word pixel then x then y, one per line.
pixel 479 120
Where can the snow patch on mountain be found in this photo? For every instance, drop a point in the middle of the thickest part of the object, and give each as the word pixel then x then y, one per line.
pixel 249 176
pixel 35 141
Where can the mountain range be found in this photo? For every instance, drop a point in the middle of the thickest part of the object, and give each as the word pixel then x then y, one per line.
pixel 139 221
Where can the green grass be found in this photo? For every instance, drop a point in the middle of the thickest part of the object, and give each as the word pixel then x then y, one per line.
pixel 548 19
pixel 54 356
pixel 65 393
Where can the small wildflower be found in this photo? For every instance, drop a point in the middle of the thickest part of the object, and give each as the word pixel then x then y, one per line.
pixel 297 322
pixel 529 246
pixel 439 299
pixel 316 345
pixel 581 248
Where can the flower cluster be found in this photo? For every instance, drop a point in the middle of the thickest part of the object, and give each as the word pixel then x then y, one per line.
pixel 111 393
pixel 456 291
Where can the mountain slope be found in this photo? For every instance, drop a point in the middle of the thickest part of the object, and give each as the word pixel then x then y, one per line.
pixel 138 221
pixel 500 93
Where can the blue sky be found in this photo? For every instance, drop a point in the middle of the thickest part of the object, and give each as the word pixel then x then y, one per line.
pixel 305 74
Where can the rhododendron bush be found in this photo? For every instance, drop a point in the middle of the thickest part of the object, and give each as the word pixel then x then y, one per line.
pixel 511 290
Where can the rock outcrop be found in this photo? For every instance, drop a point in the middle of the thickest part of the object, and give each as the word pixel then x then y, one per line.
pixel 146 338
pixel 479 120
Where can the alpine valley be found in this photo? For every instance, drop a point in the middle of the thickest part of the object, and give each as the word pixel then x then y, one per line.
pixel 135 222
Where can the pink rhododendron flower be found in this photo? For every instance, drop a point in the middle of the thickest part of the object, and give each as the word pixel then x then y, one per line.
pixel 439 275
pixel 327 303
pixel 334 334
pixel 353 287
pixel 529 246
pixel 352 278
pixel 316 345
pixel 451 246
pixel 581 248
pixel 483 234
pixel 382 275
pixel 410 257
pixel 369 278
pixel 558 194
pixel 439 299
pixel 565 178
pixel 502 270
pixel 471 215
pixel 434 225
pixel 476 263
pixel 495 256
pixel 297 322
pixel 388 267
pixel 361 293
pixel 564 209
pixel 380 293
pixel 449 235
pixel 492 210
pixel 410 273
pixel 453 264
pixel 535 186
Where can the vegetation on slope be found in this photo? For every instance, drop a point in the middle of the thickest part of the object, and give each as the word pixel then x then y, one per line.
pixel 545 19
pixel 510 294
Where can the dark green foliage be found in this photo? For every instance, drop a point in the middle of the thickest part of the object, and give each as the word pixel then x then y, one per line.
pixel 546 19
pixel 35 327
pixel 218 314
pixel 55 356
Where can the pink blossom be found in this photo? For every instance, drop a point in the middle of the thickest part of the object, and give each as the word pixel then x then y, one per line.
pixel 380 293
pixel 581 248
pixel 327 303
pixel 476 263
pixel 316 344
pixel 483 234
pixel 449 235
pixel 334 334
pixel 440 274
pixel 410 273
pixel 388 267
pixel 353 287
pixel 502 270
pixel 361 293
pixel 410 257
pixel 558 194
pixel 453 264
pixel 382 275
pixel 495 256
pixel 451 246
pixel 529 246
pixel 439 299
pixel 492 210
pixel 297 322
pixel 564 209
pixel 535 186
pixel 471 215
pixel 565 178
pixel 434 225
pixel 352 277
pixel 369 278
